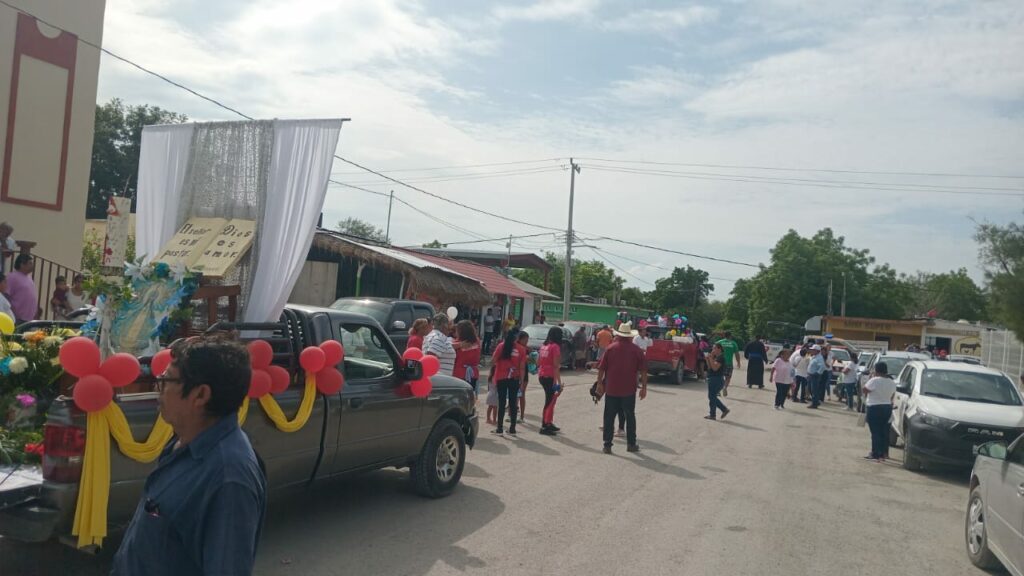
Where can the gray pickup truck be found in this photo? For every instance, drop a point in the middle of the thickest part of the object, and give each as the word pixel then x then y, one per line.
pixel 374 422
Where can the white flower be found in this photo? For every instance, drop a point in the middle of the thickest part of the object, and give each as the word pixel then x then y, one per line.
pixel 134 271
pixel 18 365
pixel 178 272
pixel 52 341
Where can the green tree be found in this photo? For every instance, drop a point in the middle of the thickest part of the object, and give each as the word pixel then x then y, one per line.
pixel 685 289
pixel 117 141
pixel 589 278
pixel 435 244
pixel 704 318
pixel 736 310
pixel 1002 253
pixel 635 297
pixel 361 229
pixel 951 295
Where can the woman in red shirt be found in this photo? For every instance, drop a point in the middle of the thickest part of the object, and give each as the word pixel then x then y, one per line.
pixel 507 368
pixel 549 372
pixel 467 354
pixel 420 328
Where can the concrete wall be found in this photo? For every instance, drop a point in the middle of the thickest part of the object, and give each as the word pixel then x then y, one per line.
pixel 38 162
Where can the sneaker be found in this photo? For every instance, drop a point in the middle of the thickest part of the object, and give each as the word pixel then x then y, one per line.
pixel 607 450
pixel 725 413
pixel 709 418
pixel 498 431
pixel 620 433
pixel 547 432
pixel 555 428
pixel 632 448
pixel 778 407
pixel 512 432
pixel 520 421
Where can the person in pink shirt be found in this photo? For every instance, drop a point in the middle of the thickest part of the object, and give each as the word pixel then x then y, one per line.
pixel 467 354
pixel 22 291
pixel 549 364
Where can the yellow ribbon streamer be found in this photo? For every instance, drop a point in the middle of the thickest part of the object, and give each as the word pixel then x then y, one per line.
pixel 243 411
pixel 273 410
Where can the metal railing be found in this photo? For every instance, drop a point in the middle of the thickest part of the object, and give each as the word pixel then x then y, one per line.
pixel 45 276
pixel 1000 349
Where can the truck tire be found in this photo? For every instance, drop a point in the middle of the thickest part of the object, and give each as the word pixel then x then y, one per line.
pixel 679 374
pixel 910 462
pixel 438 468
pixel 976 535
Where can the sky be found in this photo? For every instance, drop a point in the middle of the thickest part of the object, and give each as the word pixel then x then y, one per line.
pixel 668 107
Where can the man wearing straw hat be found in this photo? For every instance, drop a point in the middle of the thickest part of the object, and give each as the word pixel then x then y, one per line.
pixel 621 366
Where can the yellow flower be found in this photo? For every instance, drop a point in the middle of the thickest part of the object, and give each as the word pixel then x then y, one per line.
pixel 66 332
pixel 55 361
pixel 52 341
pixel 14 347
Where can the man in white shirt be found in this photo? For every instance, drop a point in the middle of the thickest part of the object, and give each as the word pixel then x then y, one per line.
pixel 488 330
pixel 437 343
pixel 801 386
pixel 643 340
pixel 850 380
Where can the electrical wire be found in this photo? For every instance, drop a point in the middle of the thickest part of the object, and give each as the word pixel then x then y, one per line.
pixel 825 170
pixel 481 176
pixel 455 167
pixel 619 268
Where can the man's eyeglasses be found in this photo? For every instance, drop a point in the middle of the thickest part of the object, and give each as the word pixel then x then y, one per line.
pixel 161 382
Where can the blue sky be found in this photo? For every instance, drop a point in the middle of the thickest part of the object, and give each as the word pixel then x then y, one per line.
pixel 923 87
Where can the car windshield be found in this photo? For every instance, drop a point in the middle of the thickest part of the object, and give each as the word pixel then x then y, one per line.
pixel 376 310
pixel 970 387
pixel 537 331
pixel 842 355
pixel 894 365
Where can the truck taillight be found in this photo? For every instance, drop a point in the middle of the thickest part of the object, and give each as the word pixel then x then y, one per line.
pixel 64 447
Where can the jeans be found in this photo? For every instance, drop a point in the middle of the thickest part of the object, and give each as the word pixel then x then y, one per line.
pixel 817 382
pixel 612 406
pixel 507 392
pixel 781 391
pixel 488 336
pixel 850 389
pixel 548 415
pixel 715 384
pixel 877 419
pixel 800 389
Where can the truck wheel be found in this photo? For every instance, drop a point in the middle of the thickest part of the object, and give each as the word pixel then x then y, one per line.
pixel 910 462
pixel 679 375
pixel 976 535
pixel 438 468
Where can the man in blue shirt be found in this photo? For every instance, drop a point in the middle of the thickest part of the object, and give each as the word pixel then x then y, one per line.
pixel 202 507
pixel 816 373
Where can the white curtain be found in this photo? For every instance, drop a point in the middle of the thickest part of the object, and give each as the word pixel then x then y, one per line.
pixel 163 163
pixel 300 166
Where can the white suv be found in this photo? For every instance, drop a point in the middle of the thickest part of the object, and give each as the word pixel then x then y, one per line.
pixel 942 410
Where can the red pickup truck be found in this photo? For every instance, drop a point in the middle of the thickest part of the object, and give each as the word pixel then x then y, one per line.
pixel 678 359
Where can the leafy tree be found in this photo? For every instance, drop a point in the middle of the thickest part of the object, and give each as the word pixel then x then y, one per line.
pixel 635 297
pixel 736 310
pixel 685 289
pixel 117 140
pixel 952 295
pixel 361 229
pixel 435 244
pixel 1002 253
pixel 705 317
pixel 589 278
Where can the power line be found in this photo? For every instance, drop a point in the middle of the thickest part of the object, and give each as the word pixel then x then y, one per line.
pixel 826 170
pixel 457 166
pixel 619 268
pixel 480 176
pixel 670 251
pixel 668 174
pixel 503 238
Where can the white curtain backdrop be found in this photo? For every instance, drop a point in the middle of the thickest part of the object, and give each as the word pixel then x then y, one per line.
pixel 163 163
pixel 300 166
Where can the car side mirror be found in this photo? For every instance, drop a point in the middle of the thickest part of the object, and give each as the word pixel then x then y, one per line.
pixel 412 371
pixel 996 450
pixel 397 325
pixel 903 389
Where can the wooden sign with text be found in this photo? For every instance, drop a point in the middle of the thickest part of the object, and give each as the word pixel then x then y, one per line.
pixel 227 248
pixel 187 245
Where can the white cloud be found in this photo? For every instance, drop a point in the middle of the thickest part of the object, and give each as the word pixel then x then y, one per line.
pixel 547 10
pixel 663 21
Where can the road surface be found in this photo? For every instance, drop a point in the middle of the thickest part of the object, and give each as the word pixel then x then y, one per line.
pixel 763 492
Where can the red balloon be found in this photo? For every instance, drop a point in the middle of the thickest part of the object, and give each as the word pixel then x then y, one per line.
pixel 80 356
pixel 412 354
pixel 312 359
pixel 421 388
pixel 161 360
pixel 260 354
pixel 279 379
pixel 93 393
pixel 329 381
pixel 430 365
pixel 121 369
pixel 333 351
pixel 259 383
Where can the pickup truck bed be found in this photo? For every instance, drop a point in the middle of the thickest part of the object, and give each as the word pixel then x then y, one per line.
pixel 374 422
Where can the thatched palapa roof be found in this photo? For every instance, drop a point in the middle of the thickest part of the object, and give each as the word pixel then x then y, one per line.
pixel 421 275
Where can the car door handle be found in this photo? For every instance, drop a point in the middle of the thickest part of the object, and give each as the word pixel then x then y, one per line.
pixel 355 402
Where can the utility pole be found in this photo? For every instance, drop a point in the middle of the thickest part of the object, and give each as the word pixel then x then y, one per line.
pixel 508 259
pixel 387 232
pixel 574 168
pixel 842 306
pixel 828 309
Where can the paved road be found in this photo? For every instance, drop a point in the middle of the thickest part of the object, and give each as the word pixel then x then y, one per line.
pixel 763 492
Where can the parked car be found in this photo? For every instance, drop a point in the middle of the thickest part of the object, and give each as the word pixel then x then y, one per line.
pixel 374 422
pixel 894 363
pixel 539 333
pixel 396 316
pixel 864 360
pixel 966 359
pixel 995 508
pixel 942 410
pixel 676 358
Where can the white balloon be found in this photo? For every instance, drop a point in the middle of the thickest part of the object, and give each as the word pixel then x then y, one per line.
pixel 452 312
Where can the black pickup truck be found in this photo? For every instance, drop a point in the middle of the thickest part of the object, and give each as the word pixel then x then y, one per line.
pixel 374 422
pixel 396 316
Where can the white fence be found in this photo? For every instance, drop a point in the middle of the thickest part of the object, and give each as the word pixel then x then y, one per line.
pixel 1000 349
